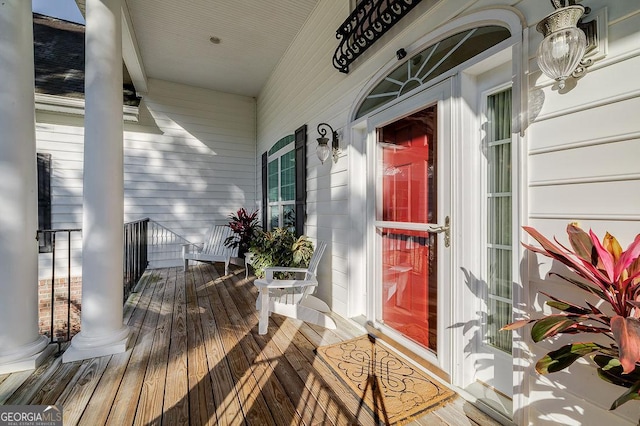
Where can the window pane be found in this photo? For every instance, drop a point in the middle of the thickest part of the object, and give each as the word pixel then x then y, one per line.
pixel 288 176
pixel 500 272
pixel 499 226
pixel 500 160
pixel 408 168
pixel 274 215
pixel 281 144
pixel 499 316
pixel 441 59
pixel 273 181
pixel 289 217
pixel 499 116
pixel 410 290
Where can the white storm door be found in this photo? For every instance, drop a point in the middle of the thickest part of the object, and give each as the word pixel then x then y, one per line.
pixel 410 221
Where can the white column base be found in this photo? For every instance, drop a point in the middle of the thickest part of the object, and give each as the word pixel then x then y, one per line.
pixel 28 358
pixel 90 347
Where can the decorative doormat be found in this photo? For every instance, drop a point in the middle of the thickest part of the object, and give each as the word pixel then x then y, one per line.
pixel 394 391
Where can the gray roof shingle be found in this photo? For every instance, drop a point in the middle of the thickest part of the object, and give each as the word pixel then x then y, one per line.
pixel 58 47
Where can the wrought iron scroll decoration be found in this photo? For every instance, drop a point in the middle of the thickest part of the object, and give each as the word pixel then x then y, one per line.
pixel 369 21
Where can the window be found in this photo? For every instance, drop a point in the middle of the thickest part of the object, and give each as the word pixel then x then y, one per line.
pixel 44 201
pixel 281 185
pixel 431 62
pixel 284 183
pixel 499 237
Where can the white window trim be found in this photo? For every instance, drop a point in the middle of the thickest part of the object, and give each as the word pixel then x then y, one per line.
pixel 278 204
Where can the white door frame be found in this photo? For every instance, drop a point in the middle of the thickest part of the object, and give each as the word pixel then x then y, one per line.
pixel 480 364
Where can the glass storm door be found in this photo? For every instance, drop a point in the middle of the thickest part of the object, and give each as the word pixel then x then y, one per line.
pixel 412 214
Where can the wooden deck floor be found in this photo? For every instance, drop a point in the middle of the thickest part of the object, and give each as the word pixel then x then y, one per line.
pixel 196 358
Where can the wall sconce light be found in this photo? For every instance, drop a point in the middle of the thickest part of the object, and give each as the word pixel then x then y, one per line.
pixel 323 150
pixel 566 41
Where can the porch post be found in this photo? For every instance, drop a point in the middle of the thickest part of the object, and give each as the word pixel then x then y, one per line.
pixel 102 329
pixel 21 348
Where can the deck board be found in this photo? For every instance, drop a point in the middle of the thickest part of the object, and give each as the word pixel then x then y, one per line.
pixel 75 398
pixel 11 384
pixel 150 402
pixel 201 403
pixel 58 384
pixel 269 352
pixel 176 395
pixel 255 408
pixel 125 396
pixel 35 383
pixel 311 396
pixel 228 408
pixel 195 357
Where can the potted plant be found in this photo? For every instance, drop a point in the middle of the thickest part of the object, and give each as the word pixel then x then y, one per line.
pixel 279 247
pixel 611 275
pixel 245 227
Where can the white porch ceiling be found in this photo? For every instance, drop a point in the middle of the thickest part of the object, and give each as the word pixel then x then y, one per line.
pixel 173 39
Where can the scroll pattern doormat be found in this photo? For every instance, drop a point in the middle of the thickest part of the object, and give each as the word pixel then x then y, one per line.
pixel 395 391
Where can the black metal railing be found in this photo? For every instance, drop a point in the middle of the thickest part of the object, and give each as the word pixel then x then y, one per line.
pixel 50 236
pixel 135 253
pixel 369 21
pixel 135 263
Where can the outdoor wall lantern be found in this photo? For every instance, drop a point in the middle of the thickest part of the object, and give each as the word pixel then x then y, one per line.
pixel 323 150
pixel 566 41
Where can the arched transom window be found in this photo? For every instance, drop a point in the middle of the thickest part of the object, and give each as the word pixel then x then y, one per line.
pixel 431 62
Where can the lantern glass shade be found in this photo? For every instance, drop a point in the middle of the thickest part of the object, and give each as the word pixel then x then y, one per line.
pixel 560 53
pixel 323 149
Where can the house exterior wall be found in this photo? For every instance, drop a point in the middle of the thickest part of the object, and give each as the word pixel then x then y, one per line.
pixel 188 161
pixel 579 163
pixel 581 151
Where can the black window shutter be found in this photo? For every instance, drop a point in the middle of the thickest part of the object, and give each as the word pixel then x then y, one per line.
pixel 44 201
pixel 264 191
pixel 301 178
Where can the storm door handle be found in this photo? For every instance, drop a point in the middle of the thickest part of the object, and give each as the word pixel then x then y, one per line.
pixel 437 229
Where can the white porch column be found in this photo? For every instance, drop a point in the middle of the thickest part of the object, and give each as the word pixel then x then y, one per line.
pixel 21 348
pixel 102 329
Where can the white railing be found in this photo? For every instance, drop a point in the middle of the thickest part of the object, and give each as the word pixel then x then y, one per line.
pixel 164 246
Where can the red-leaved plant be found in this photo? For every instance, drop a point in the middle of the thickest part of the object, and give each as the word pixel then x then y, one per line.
pixel 612 275
pixel 244 226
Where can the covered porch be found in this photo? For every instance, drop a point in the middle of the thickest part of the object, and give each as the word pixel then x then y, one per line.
pixel 195 357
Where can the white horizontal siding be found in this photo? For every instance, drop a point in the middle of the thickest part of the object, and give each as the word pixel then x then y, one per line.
pixel 556 406
pixel 199 166
pixel 597 198
pixel 583 150
pixel 604 161
pixel 190 161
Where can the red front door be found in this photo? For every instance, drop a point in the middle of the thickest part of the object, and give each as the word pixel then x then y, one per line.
pixel 409 266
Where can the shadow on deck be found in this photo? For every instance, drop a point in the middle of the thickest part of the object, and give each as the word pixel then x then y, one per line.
pixel 195 357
